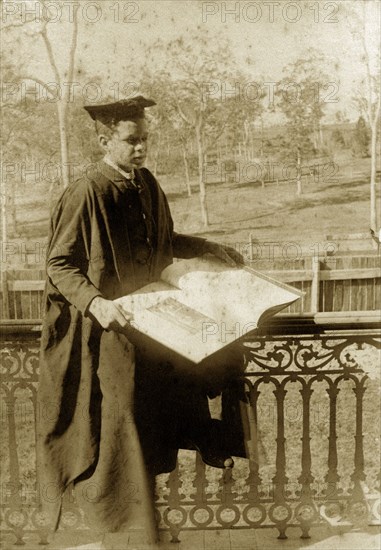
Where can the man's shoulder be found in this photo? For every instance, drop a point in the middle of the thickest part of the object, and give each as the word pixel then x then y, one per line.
pixel 99 176
pixel 76 189
pixel 94 180
pixel 82 189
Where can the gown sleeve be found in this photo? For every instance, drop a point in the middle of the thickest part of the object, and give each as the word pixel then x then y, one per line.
pixel 186 246
pixel 69 248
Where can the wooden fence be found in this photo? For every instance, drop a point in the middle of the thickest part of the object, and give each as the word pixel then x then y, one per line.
pixel 21 294
pixel 338 283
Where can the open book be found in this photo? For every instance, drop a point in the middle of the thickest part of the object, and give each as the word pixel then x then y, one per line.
pixel 201 305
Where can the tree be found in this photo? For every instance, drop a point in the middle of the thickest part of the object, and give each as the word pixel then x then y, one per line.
pixel 21 155
pixel 300 103
pixel 165 122
pixel 368 99
pixel 337 139
pixel 40 29
pixel 360 141
pixel 201 93
pixel 184 142
pixel 13 118
pixel 296 146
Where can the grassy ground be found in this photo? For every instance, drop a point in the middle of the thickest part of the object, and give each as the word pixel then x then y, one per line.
pixel 334 205
pixel 275 212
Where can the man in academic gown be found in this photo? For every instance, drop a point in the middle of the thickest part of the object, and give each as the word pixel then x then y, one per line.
pixel 110 416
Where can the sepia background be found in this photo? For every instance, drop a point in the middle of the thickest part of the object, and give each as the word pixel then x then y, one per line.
pixel 265 128
pixel 266 137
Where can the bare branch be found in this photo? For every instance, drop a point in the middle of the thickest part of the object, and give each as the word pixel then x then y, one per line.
pixel 180 111
pixel 376 115
pixel 73 45
pixel 49 50
pixel 216 136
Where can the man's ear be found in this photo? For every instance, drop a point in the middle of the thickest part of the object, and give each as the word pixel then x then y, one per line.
pixel 103 141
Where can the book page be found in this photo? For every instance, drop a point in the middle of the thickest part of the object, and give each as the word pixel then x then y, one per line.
pixel 202 305
pixel 174 273
pixel 226 294
pixel 162 315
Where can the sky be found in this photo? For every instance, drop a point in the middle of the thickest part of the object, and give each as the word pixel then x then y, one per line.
pixel 270 34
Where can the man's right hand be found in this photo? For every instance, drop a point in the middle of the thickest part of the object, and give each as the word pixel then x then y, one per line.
pixel 109 315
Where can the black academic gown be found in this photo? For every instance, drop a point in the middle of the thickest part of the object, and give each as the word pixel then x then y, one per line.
pixel 103 418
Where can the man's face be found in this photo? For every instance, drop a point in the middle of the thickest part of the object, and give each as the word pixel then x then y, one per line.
pixel 128 145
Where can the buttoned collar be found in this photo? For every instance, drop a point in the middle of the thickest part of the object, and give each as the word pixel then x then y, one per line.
pixel 117 177
pixel 127 175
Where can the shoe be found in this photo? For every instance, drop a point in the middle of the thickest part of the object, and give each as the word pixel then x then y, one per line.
pixel 212 458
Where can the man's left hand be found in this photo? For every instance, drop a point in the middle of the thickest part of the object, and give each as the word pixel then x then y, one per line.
pixel 225 253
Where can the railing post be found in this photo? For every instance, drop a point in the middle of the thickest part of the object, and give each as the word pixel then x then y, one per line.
pixel 359 507
pixel 251 244
pixel 306 511
pixel 4 290
pixel 315 285
pixel 332 478
pixel 280 511
pixel 249 416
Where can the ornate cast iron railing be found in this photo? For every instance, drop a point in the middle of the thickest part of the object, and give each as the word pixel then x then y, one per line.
pixel 310 414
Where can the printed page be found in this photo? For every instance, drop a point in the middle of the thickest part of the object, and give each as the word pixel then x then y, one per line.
pixel 201 305
pixel 228 295
pixel 160 313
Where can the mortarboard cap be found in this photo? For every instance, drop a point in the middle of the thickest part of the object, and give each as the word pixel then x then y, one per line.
pixel 121 110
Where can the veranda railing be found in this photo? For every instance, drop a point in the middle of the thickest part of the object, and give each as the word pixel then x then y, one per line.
pixel 310 414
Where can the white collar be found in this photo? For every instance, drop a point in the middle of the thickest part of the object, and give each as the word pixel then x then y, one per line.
pixel 127 175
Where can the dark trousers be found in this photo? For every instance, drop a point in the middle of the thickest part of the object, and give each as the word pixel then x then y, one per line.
pixel 171 409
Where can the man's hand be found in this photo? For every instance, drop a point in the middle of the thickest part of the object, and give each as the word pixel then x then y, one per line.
pixel 109 315
pixel 225 253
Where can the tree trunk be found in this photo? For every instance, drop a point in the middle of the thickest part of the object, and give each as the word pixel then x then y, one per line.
pixel 4 239
pixel 373 156
pixel 62 123
pixel 3 198
pixel 316 138
pixel 186 169
pixel 299 176
pixel 321 135
pixel 262 176
pixel 13 212
pixel 156 161
pixel 200 153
